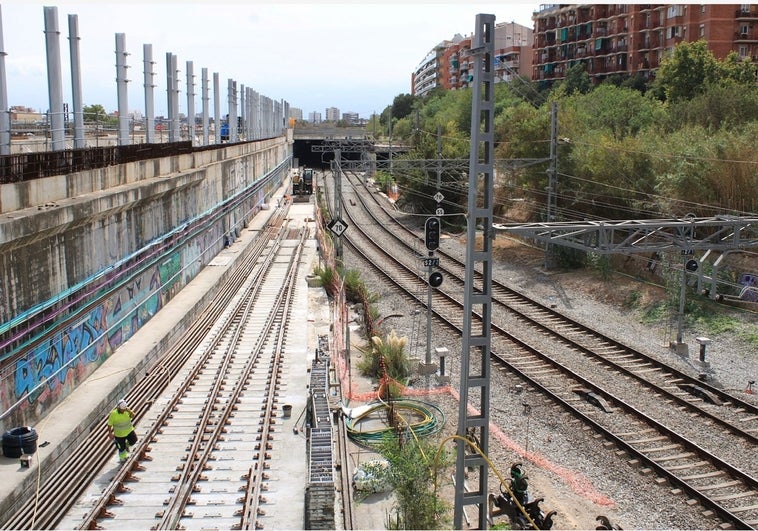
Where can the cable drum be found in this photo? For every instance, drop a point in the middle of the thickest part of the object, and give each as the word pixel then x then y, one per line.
pixel 19 441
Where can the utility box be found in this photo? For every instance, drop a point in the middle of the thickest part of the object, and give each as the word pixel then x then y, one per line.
pixel 703 341
pixel 441 353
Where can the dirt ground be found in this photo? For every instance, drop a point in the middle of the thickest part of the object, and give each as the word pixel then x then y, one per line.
pixel 632 281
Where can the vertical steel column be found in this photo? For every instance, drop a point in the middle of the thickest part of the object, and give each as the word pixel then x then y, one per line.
pixel 175 98
pixel 169 98
pixel 76 81
pixel 243 113
pixel 337 201
pixel 54 79
pixel 251 115
pixel 191 102
pixel 474 426
pixel 231 87
pixel 149 74
pixel 121 81
pixel 5 113
pixel 552 172
pixel 257 106
pixel 204 90
pixel 216 109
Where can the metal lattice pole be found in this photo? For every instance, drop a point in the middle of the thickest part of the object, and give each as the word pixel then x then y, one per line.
pixel 474 426
pixel 338 200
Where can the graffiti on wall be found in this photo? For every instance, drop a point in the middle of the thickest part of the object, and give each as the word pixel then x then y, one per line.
pixel 68 356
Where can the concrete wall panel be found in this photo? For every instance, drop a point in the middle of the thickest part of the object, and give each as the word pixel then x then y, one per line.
pixel 87 229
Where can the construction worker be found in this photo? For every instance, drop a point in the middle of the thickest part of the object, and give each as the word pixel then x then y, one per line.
pixel 121 429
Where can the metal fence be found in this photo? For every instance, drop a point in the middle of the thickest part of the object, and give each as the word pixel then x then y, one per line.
pixel 19 167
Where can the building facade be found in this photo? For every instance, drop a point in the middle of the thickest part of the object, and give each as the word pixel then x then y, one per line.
pixel 631 39
pixel 332 114
pixel 296 113
pixel 352 118
pixel 448 65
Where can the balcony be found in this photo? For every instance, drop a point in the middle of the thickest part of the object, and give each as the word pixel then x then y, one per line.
pixel 741 14
pixel 600 11
pixel 744 37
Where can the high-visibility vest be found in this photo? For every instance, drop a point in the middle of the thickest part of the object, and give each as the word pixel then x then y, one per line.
pixel 121 423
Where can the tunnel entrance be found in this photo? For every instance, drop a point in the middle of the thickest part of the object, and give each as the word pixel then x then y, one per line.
pixel 302 151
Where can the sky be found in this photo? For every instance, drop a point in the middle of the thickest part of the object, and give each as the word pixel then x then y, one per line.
pixel 355 56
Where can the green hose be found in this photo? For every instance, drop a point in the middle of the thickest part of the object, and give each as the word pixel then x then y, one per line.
pixel 433 420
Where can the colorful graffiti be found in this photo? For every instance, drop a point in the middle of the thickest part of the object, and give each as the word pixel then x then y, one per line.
pixel 69 356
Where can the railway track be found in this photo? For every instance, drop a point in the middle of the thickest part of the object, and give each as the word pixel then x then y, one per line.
pixel 614 389
pixel 71 478
pixel 207 456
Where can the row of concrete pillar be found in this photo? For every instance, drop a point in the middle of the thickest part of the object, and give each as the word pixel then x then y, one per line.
pixel 260 117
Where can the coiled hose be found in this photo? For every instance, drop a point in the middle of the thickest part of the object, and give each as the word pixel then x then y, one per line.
pixel 432 421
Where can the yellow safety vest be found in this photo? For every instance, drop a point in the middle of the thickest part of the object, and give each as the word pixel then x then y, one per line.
pixel 121 423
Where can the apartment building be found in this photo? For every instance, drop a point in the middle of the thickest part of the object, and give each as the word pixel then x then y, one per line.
pixel 449 64
pixel 332 114
pixel 296 113
pixel 352 118
pixel 629 39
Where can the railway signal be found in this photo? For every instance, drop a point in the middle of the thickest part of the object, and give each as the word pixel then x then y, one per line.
pixel 432 233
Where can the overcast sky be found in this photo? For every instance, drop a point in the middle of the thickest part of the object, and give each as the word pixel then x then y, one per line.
pixel 355 56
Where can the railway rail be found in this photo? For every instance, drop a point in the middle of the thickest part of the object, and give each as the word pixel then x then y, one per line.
pixel 212 440
pixel 56 496
pixel 612 388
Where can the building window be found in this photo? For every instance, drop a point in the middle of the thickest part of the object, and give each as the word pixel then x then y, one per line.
pixel 745 8
pixel 675 11
pixel 744 30
pixel 702 9
pixel 702 30
pixel 742 51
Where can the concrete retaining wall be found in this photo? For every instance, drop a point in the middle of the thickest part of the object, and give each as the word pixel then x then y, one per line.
pixel 59 235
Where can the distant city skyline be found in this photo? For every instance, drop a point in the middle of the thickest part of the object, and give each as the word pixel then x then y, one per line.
pixel 352 57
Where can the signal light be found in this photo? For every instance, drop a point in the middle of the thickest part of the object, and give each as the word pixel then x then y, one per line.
pixel 435 279
pixel 691 265
pixel 432 233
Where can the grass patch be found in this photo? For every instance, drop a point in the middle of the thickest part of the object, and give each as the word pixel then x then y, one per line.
pixel 749 334
pixel 656 312
pixel 633 299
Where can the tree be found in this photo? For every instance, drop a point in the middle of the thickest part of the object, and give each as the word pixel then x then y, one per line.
pixel 402 106
pixel 726 104
pixel 742 71
pixel 93 113
pixel 687 71
pixel 418 506
pixel 577 81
